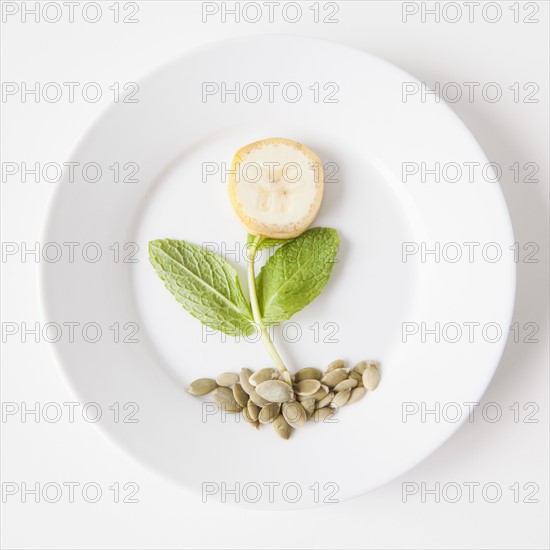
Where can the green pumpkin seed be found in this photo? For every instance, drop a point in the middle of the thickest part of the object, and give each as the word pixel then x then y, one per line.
pixel 340 399
pixel 334 377
pixel 202 386
pixel 309 406
pixel 241 397
pixel 274 391
pixel 338 364
pixel 294 414
pixel 224 398
pixel 227 379
pixel 362 365
pixel 325 401
pixel 267 396
pixel 324 415
pixel 348 384
pixel 224 395
pixel 269 413
pixel 309 373
pixel 250 420
pixel 319 394
pixel 244 376
pixel 257 400
pixel 282 427
pixel 371 377
pixel 262 375
pixel 253 410
pixel 354 375
pixel 302 397
pixel 307 387
pixel 356 394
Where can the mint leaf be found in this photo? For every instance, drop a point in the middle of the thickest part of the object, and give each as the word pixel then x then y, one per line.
pixel 265 242
pixel 296 274
pixel 204 284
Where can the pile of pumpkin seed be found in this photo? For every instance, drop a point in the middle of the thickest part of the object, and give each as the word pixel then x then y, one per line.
pixel 263 397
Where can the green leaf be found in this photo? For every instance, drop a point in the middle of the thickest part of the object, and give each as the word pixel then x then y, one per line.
pixel 296 274
pixel 204 284
pixel 265 242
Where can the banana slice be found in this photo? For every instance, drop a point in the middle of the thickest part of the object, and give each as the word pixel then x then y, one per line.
pixel 276 187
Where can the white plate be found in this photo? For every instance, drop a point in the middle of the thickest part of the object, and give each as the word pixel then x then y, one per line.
pixel 368 133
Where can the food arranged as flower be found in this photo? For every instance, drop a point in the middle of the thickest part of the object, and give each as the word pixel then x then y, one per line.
pixel 276 188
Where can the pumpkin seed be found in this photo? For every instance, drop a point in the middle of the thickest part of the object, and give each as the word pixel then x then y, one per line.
pixel 338 364
pixel 269 413
pixel 348 384
pixel 303 397
pixel 307 387
pixel 253 410
pixel 281 427
pixel 224 398
pixel 241 397
pixel 325 401
pixel 267 396
pixel 334 377
pixel 250 419
pixel 227 379
pixel 309 406
pixel 243 378
pixel 319 394
pixel 202 386
pixel 371 377
pixel 323 415
pixel 294 414
pixel 257 400
pixel 354 375
pixel 356 394
pixel 231 408
pixel 274 391
pixel 309 373
pixel 225 395
pixel 262 375
pixel 362 365
pixel 340 399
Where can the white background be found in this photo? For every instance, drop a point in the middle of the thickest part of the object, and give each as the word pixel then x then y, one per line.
pixel 503 452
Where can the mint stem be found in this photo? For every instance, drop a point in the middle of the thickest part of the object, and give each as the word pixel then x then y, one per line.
pixel 266 339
